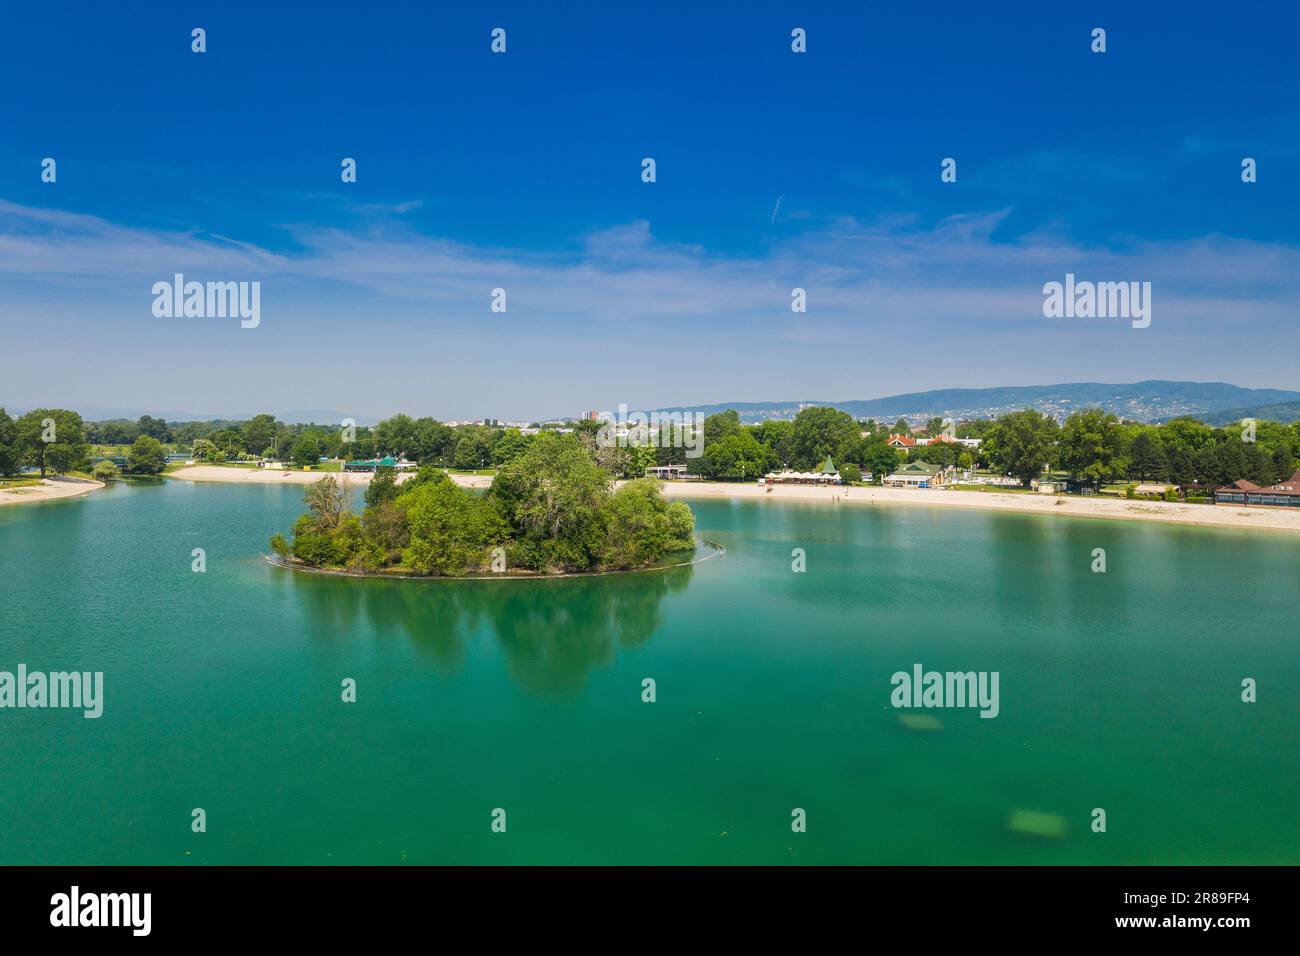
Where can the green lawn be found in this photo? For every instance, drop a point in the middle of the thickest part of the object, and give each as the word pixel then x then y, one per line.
pixel 118 451
pixel 1007 489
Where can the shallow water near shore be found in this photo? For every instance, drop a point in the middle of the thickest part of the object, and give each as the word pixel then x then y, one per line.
pixel 1118 690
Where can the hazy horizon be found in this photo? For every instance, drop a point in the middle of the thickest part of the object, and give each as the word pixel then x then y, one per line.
pixel 99 412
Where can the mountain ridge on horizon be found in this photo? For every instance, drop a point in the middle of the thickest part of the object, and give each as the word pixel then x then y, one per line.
pixel 1153 401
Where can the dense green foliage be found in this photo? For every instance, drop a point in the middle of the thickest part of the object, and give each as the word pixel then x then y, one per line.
pixel 1091 446
pixel 10 453
pixel 146 457
pixel 48 439
pixel 1021 444
pixel 1094 447
pixel 550 509
pixel 306 451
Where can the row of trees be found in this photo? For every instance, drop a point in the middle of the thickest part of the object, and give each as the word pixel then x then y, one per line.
pixel 422 440
pixel 122 432
pixel 736 452
pixel 53 440
pixel 552 509
pixel 1094 447
pixel 49 439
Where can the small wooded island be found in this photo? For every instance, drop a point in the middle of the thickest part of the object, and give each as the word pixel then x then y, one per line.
pixel 553 510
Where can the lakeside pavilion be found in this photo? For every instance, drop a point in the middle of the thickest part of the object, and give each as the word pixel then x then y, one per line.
pixel 828 474
pixel 917 474
pixel 372 465
pixel 1284 494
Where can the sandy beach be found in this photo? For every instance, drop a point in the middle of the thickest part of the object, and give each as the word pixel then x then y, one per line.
pixel 1214 516
pixel 48 490
pixel 1217 516
pixel 267 476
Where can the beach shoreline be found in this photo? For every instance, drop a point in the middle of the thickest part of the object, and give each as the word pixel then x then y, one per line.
pixel 50 489
pixel 1160 512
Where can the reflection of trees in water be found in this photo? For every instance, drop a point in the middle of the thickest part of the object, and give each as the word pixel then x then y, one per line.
pixel 552 632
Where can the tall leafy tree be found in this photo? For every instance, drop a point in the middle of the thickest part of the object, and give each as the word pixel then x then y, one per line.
pixel 552 496
pixel 433 442
pixel 1022 443
pixel 1092 446
pixel 10 454
pixel 382 487
pixel 51 439
pixel 230 441
pixel 153 427
pixel 395 436
pixel 737 457
pixel 1147 456
pixel 473 450
pixel 306 451
pixel 260 432
pixel 776 435
pixel 509 446
pixel 147 456
pixel 720 425
pixel 821 431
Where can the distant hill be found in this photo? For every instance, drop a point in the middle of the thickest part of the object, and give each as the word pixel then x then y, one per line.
pixel 1279 412
pixel 1139 401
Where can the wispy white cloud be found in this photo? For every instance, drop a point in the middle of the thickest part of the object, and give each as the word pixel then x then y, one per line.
pixel 918 304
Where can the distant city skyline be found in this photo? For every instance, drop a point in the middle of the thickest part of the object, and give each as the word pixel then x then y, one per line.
pixel 521 171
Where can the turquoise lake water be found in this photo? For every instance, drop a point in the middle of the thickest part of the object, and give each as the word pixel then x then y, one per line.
pixel 1119 691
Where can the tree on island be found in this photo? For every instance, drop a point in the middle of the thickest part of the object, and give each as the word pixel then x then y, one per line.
pixel 552 509
pixel 382 487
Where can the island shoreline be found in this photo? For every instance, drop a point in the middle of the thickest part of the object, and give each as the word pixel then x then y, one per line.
pixel 716 551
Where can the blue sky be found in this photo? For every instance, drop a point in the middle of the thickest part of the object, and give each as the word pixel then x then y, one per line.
pixel 522 171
